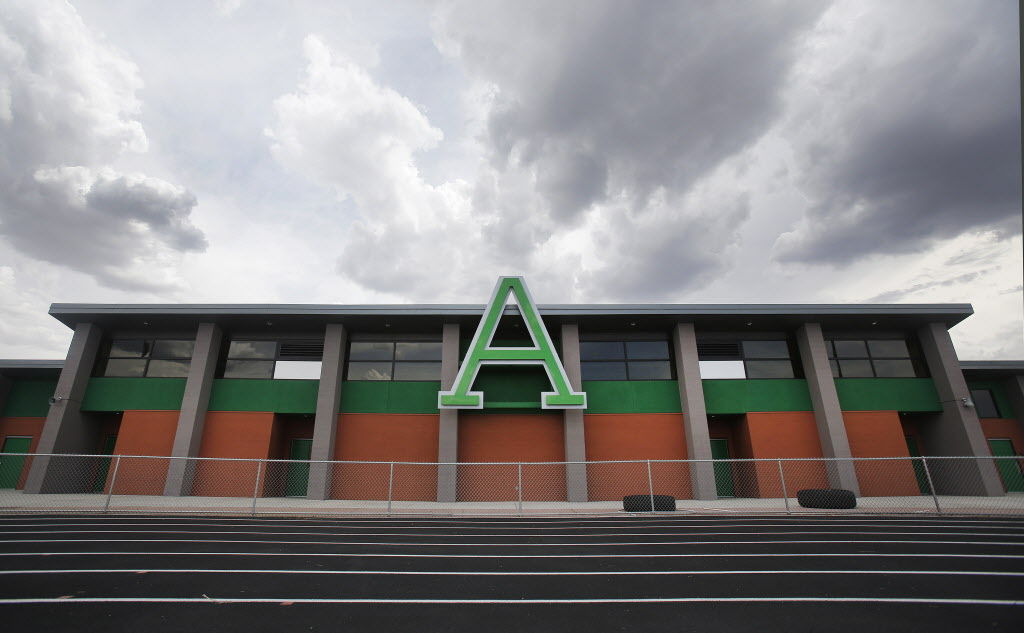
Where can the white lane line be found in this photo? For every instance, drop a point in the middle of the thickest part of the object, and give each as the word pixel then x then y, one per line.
pixel 538 535
pixel 287 600
pixel 367 572
pixel 602 544
pixel 386 555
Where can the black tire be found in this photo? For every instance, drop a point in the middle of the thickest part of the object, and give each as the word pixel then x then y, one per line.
pixel 642 503
pixel 827 498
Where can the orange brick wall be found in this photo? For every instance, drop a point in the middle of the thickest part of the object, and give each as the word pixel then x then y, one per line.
pixel 22 427
pixel 511 437
pixel 774 435
pixel 880 434
pixel 232 434
pixel 143 433
pixel 636 436
pixel 385 437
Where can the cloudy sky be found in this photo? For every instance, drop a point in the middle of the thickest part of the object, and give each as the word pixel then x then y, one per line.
pixel 611 151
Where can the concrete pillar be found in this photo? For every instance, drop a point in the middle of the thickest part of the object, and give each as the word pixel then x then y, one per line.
pixel 328 402
pixel 448 429
pixel 1015 390
pixel 955 431
pixel 827 413
pixel 695 415
pixel 194 403
pixel 66 430
pixel 575 442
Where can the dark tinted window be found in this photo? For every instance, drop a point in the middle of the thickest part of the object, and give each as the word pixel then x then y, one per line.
pixel 850 349
pixel 645 350
pixel 888 349
pixel 127 348
pixel 252 349
pixel 173 349
pixel 894 368
pixel 769 369
pixel 601 350
pixel 603 370
pixel 650 370
pixel 417 371
pixel 125 367
pixel 417 351
pixel 860 368
pixel 372 351
pixel 369 371
pixel 249 369
pixel 765 349
pixel 171 368
pixel 984 403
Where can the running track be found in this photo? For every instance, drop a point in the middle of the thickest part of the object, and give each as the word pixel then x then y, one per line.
pixel 644 573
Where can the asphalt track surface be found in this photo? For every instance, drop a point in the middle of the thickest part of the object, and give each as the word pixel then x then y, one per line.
pixel 642 573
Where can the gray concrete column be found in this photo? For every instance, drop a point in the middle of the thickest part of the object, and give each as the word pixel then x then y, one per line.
pixel 66 430
pixel 448 429
pixel 956 431
pixel 827 413
pixel 695 415
pixel 328 403
pixel 575 442
pixel 5 390
pixel 194 403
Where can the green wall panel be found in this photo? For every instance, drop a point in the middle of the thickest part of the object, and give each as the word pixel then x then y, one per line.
pixel 632 396
pixel 278 396
pixel 121 394
pixel 887 394
pixel 29 398
pixel 999 393
pixel 741 396
pixel 373 396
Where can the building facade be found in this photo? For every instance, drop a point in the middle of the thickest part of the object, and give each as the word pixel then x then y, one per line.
pixel 362 383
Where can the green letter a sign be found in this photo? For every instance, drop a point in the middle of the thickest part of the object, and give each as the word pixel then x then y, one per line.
pixel 481 353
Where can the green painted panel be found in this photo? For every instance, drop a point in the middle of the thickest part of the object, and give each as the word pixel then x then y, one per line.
pixel 632 396
pixel 741 396
pixel 29 398
pixel 121 394
pixel 278 396
pixel 383 396
pixel 887 394
pixel 999 393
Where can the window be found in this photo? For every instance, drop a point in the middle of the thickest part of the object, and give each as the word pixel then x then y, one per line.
pixel 882 358
pixel 985 403
pixel 625 360
pixel 137 358
pixel 745 359
pixel 394 360
pixel 278 360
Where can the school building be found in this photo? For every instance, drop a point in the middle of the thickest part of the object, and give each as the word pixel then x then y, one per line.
pixel 511 381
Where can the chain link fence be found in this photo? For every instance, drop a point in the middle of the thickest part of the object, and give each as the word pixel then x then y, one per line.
pixel 129 483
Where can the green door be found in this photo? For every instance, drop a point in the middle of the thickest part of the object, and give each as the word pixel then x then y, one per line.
pixel 1008 468
pixel 723 471
pixel 100 481
pixel 11 465
pixel 297 475
pixel 922 478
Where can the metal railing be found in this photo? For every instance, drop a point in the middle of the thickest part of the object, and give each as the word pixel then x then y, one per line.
pixel 134 483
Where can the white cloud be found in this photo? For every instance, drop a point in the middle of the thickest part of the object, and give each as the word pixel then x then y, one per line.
pixel 69 110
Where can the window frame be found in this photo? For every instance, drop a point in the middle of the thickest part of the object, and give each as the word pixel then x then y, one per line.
pixel 394 362
pixel 741 356
pixel 149 345
pixel 913 356
pixel 626 360
pixel 273 359
pixel 991 397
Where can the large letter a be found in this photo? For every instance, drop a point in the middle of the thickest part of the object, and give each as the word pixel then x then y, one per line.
pixel 481 353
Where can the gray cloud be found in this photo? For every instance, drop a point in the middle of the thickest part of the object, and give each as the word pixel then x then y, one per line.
pixel 896 295
pixel 600 99
pixel 901 150
pixel 68 110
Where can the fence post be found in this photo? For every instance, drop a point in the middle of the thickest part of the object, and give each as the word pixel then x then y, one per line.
pixel 931 485
pixel 391 484
pixel 650 485
pixel 256 487
pixel 519 487
pixel 113 480
pixel 782 480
